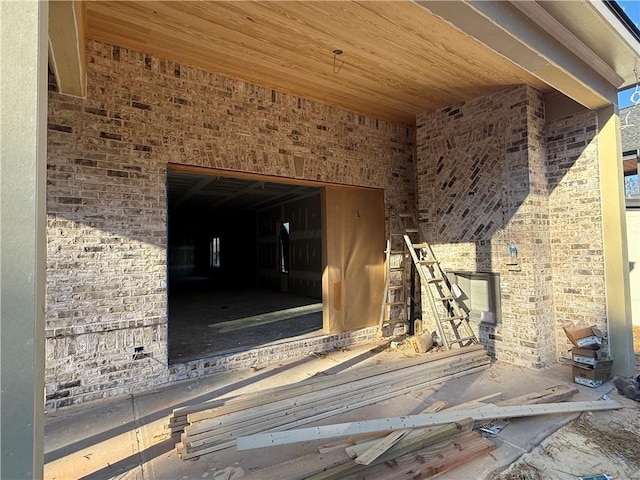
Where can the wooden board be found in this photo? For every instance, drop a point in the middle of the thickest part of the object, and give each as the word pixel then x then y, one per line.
pixel 399 59
pixel 359 449
pixel 391 439
pixel 353 225
pixel 555 394
pixel 424 463
pixel 216 407
pixel 309 419
pixel 336 394
pixel 416 421
pixel 415 441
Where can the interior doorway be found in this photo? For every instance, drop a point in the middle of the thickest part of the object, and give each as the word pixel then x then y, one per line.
pixel 253 261
pixel 244 263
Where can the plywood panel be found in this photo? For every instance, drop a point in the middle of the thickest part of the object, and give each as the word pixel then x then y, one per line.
pixel 354 272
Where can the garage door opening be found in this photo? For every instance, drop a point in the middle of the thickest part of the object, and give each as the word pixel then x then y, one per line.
pixel 244 263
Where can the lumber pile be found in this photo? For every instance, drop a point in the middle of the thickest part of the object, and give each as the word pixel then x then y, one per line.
pixel 420 452
pixel 216 425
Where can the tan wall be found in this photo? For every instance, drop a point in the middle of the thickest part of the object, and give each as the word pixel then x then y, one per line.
pixel 107 202
pixel 633 235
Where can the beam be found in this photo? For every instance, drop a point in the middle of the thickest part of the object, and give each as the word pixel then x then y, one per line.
pixel 250 188
pixel 614 231
pixel 194 190
pixel 296 191
pixel 508 31
pixel 23 145
pixel 66 46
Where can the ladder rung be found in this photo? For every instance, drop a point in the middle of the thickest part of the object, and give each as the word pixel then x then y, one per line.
pixel 396 252
pixel 395 269
pixel 419 245
pixel 394 304
pixel 427 262
pixel 411 230
pixel 434 280
pixel 445 298
pixel 452 319
pixel 405 215
pixel 461 340
pixel 396 287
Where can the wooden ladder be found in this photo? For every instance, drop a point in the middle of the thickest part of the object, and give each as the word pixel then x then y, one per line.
pixel 397 302
pixel 450 317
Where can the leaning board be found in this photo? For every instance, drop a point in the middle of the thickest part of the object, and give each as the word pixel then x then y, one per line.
pixel 416 421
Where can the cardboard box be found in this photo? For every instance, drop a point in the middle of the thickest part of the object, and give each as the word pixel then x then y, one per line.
pixel 585 356
pixel 589 337
pixel 592 376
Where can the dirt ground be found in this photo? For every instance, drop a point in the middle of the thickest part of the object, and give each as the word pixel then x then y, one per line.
pixel 607 443
pixel 595 443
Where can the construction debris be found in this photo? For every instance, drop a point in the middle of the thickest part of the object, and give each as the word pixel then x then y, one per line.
pixel 216 425
pixel 421 343
pixel 589 337
pixel 590 367
pixel 415 446
pixel 628 387
pixel 414 455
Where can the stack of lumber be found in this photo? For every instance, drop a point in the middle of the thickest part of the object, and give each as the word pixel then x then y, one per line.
pixel 216 425
pixel 419 452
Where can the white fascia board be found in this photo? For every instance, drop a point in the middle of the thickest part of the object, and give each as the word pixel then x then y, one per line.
pixel 616 25
pixel 507 31
pixel 66 46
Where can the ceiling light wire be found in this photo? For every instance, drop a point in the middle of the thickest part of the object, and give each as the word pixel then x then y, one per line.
pixel 337 52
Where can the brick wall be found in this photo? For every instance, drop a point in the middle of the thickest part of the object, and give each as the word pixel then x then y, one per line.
pixel 485 179
pixel 576 225
pixel 106 266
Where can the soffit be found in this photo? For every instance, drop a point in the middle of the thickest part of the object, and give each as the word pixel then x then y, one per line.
pixel 399 59
pixel 592 24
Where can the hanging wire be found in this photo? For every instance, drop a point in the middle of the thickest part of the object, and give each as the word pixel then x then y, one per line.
pixel 337 52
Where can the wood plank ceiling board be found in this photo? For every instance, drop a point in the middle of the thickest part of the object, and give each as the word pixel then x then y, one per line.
pixel 399 60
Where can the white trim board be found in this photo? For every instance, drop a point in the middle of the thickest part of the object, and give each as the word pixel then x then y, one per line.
pixel 416 421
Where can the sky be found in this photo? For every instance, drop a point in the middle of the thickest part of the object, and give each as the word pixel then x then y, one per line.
pixel 632 9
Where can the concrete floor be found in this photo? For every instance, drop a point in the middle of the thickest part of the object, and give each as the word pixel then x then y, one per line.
pixel 117 439
pixel 204 321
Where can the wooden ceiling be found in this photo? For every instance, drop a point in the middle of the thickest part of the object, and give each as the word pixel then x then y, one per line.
pixel 399 60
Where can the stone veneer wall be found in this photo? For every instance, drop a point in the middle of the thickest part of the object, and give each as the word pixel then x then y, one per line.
pixel 481 180
pixel 576 225
pixel 106 265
